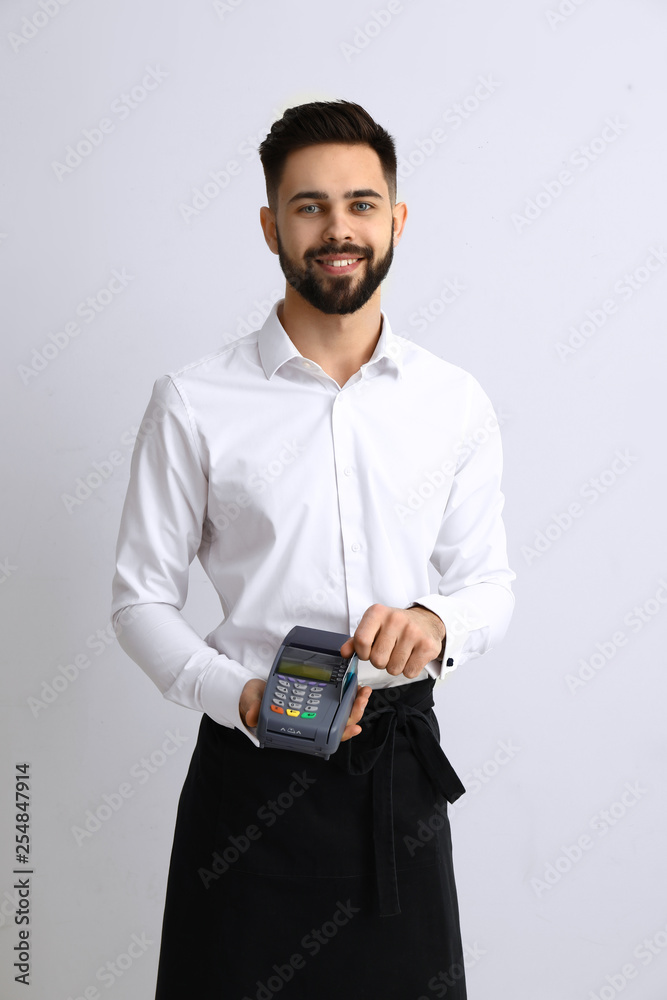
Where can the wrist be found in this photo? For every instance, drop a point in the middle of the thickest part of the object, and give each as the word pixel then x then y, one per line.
pixel 436 622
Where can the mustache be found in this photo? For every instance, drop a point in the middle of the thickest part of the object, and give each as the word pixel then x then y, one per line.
pixel 348 248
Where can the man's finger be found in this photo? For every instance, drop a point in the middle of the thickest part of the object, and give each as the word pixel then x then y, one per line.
pixel 360 703
pixel 367 630
pixel 347 649
pixel 352 728
pixel 251 700
pixel 252 715
pixel 411 648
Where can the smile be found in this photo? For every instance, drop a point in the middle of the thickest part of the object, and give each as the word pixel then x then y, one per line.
pixel 339 265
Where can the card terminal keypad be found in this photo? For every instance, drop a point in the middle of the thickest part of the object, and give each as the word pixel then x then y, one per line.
pixel 297 697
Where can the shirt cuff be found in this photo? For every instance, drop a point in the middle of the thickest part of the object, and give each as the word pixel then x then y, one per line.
pixel 184 667
pixel 219 691
pixel 460 618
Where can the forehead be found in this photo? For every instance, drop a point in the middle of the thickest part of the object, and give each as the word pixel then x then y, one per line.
pixel 333 168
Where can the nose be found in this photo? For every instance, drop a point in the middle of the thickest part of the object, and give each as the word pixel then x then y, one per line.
pixel 338 227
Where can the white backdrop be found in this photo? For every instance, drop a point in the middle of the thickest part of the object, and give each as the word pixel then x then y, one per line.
pixel 532 145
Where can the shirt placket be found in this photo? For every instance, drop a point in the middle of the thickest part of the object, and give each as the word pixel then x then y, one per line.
pixel 349 485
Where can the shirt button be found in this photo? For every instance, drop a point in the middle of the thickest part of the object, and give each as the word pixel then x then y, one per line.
pixel 307 364
pixel 347 470
pixel 355 546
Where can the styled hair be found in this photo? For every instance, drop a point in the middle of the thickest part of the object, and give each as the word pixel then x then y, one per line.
pixel 318 122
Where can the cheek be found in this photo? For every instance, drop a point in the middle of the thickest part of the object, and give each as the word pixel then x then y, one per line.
pixel 379 236
pixel 300 239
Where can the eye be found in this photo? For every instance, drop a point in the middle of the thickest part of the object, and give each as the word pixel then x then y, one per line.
pixel 363 205
pixel 305 209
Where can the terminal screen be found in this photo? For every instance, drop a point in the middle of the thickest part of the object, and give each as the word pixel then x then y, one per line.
pixel 311 666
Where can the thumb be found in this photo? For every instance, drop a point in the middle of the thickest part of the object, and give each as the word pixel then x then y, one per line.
pixel 252 714
pixel 347 649
pixel 251 700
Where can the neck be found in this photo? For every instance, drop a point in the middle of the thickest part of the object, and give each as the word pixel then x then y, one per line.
pixel 340 345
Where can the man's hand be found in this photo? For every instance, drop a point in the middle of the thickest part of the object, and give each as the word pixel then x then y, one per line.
pixel 398 640
pixel 358 709
pixel 251 699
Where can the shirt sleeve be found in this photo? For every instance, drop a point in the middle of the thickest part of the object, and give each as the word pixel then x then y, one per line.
pixel 474 599
pixel 160 533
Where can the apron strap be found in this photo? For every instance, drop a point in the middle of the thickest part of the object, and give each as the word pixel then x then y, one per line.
pixel 405 711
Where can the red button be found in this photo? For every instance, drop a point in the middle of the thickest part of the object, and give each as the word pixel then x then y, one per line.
pixel 274 708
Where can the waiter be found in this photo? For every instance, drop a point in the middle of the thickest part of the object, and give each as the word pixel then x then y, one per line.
pixel 316 467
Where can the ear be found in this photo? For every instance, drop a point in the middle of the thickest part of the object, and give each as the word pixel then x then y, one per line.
pixel 267 218
pixel 400 214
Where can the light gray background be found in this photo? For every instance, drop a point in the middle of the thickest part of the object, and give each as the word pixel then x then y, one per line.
pixel 230 70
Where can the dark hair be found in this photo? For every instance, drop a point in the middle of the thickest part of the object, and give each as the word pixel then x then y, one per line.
pixel 324 121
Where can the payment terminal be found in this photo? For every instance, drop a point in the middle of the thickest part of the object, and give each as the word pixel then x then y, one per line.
pixel 309 693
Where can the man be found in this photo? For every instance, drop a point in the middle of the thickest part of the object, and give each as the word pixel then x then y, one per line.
pixel 315 467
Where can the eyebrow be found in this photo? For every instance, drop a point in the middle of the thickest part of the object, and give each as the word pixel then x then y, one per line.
pixel 323 196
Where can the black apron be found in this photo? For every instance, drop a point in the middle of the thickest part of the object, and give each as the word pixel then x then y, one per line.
pixel 309 879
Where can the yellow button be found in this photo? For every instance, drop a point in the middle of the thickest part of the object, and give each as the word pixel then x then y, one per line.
pixel 291 711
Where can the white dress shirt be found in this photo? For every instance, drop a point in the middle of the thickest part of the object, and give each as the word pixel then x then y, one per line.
pixel 306 503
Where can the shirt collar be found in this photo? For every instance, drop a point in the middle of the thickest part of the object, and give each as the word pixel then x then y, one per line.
pixel 276 349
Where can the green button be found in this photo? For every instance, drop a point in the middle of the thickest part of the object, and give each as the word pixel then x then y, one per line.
pixel 308 715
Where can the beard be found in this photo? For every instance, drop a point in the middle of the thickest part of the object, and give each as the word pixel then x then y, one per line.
pixel 331 294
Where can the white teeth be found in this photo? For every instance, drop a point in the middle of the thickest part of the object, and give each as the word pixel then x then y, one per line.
pixel 340 263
